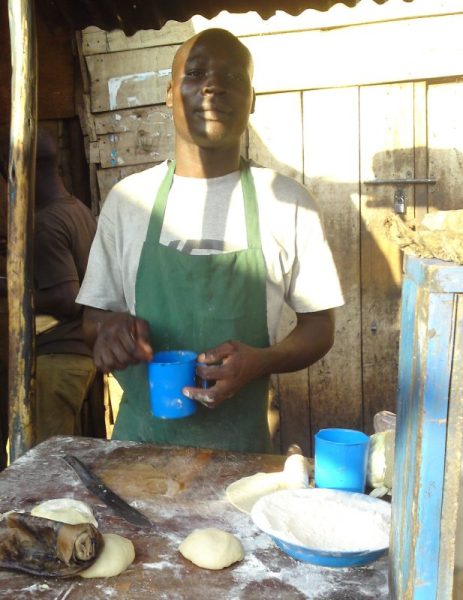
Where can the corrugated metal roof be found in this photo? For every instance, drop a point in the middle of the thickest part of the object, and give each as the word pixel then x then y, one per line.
pixel 133 15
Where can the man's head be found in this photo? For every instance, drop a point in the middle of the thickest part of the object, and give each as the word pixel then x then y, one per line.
pixel 211 93
pixel 4 150
pixel 46 152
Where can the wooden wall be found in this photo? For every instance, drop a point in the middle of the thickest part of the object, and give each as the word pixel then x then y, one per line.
pixel 344 97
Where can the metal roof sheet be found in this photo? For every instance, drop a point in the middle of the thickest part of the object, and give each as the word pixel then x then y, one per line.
pixel 133 15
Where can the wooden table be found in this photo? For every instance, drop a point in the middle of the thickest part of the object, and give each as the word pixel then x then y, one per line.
pixel 178 489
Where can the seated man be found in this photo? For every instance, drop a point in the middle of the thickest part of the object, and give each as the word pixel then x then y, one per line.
pixel 63 233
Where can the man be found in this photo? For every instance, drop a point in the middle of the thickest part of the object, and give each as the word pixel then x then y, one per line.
pixel 63 232
pixel 201 253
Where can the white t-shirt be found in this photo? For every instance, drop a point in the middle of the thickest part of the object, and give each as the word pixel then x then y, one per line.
pixel 206 216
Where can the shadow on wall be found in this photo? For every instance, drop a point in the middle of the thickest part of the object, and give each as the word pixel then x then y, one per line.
pixel 358 378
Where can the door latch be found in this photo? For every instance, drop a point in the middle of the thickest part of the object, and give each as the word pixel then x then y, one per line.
pixel 399 201
pixel 400 197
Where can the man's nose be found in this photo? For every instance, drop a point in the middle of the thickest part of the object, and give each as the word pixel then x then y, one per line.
pixel 214 84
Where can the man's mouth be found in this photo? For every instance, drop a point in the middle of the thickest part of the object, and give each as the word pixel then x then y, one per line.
pixel 214 112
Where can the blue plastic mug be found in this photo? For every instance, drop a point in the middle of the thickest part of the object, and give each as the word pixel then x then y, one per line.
pixel 341 459
pixel 168 373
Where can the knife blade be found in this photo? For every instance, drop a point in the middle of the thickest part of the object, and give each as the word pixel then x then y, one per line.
pixel 104 493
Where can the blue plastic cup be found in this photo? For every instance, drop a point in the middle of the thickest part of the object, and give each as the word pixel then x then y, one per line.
pixel 341 459
pixel 168 373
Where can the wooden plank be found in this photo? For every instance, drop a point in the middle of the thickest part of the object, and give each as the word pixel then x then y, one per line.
pixel 97 41
pixel 21 189
pixel 451 528
pixel 386 142
pixel 129 79
pixel 109 177
pixel 366 11
pixel 136 136
pixel 275 141
pixel 132 119
pixel 172 33
pixel 408 417
pixel 434 48
pixel 94 41
pixel 5 71
pixel 445 122
pixel 56 73
pixel 331 171
pixel 427 364
pixel 56 93
pixel 421 191
pixel 142 146
pixel 275 133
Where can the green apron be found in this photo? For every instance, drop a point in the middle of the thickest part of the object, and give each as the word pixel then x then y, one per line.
pixel 196 302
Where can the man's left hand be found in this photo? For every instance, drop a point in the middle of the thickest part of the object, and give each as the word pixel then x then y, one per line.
pixel 230 366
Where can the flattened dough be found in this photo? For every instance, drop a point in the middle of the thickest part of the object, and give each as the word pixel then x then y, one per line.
pixel 212 548
pixel 65 510
pixel 245 492
pixel 117 554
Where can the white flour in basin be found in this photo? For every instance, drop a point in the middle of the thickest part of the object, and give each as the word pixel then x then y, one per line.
pixel 325 519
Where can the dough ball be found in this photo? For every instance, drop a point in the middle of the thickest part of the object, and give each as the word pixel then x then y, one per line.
pixel 296 472
pixel 117 554
pixel 212 548
pixel 65 510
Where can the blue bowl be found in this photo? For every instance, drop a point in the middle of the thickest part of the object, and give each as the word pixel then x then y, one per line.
pixel 287 515
pixel 327 558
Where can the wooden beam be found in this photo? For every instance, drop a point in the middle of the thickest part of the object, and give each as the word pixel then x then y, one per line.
pixel 21 180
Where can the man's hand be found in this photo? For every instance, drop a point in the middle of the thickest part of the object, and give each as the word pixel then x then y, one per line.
pixel 231 366
pixel 239 363
pixel 121 340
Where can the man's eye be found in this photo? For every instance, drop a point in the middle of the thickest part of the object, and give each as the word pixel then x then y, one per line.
pixel 195 73
pixel 236 76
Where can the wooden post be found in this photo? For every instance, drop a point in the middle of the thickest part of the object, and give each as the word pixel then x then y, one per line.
pixel 21 184
pixel 429 434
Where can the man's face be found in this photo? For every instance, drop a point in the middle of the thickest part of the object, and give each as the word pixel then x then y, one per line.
pixel 211 93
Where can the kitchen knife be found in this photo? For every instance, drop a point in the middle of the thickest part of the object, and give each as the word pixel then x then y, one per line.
pixel 104 493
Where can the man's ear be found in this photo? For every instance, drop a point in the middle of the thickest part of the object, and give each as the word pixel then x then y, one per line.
pixel 253 105
pixel 169 94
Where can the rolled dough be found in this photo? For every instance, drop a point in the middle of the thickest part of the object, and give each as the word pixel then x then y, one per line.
pixel 117 553
pixel 212 548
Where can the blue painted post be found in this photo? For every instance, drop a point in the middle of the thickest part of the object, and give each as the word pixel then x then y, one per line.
pixel 428 440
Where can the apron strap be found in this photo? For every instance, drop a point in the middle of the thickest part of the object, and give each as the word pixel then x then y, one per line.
pixel 160 204
pixel 250 206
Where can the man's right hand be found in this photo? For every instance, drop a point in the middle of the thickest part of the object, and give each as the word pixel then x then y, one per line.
pixel 121 340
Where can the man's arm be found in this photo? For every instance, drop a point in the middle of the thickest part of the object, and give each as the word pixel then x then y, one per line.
pixel 58 300
pixel 309 341
pixel 118 339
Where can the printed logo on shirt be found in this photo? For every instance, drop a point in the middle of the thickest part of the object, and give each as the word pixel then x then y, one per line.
pixel 202 246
